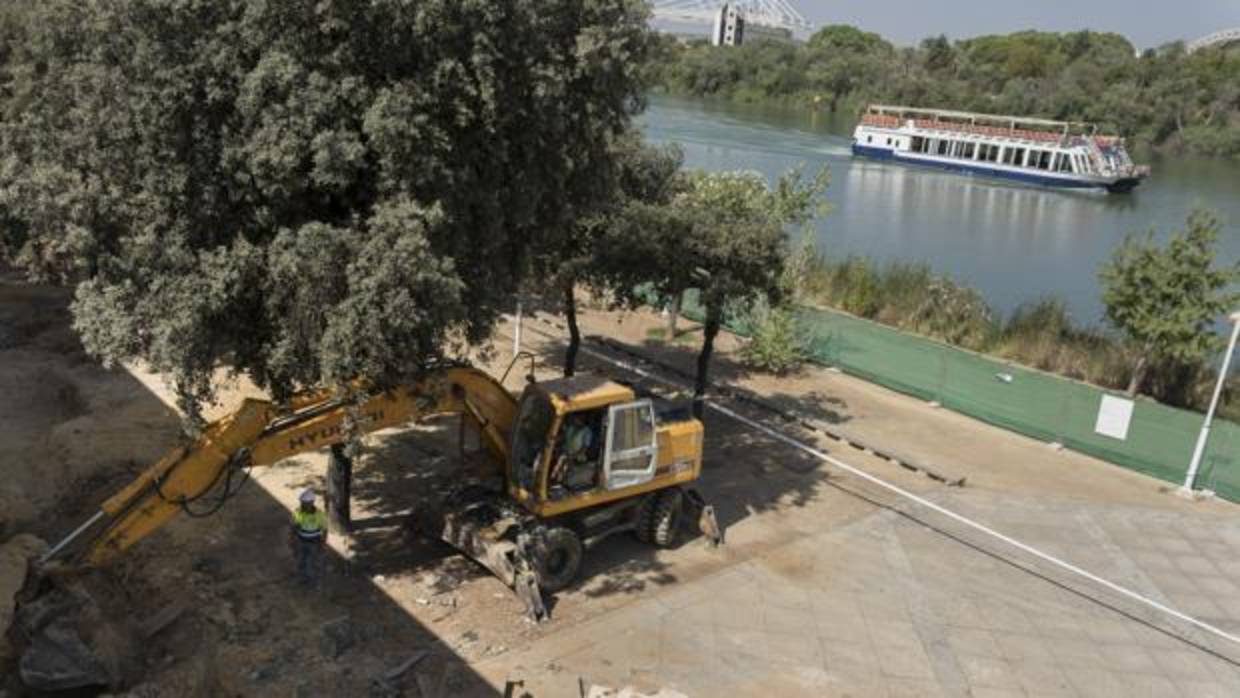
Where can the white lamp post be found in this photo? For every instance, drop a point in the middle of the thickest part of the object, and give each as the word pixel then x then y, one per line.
pixel 1199 451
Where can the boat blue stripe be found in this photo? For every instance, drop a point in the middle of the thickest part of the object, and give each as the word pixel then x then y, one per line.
pixel 1033 177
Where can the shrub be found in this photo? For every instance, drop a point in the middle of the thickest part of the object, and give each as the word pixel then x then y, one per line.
pixel 955 314
pixel 778 345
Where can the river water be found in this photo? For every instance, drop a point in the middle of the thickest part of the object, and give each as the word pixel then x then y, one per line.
pixel 1014 243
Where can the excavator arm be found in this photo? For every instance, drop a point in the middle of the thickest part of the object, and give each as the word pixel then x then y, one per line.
pixel 260 433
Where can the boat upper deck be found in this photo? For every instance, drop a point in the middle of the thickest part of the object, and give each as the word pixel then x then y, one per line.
pixel 1063 133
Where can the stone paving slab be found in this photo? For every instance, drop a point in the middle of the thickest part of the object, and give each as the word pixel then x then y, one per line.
pixel 887 606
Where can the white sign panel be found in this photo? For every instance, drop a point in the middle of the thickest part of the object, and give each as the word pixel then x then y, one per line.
pixel 1114 414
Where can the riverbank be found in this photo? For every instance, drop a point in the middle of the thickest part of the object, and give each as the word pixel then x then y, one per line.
pixel 1041 334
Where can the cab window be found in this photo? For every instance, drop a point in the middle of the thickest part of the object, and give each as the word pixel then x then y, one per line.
pixel 631 445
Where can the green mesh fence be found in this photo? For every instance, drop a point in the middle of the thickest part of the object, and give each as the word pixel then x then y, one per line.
pixel 1159 442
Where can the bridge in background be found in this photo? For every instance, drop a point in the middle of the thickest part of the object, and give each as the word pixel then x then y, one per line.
pixel 1218 38
pixel 771 13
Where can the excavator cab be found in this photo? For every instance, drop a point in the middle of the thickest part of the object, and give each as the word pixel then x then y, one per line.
pixel 583 441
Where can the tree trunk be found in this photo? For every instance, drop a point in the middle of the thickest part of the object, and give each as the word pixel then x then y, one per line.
pixel 709 331
pixel 673 314
pixel 340 488
pixel 574 332
pixel 1138 376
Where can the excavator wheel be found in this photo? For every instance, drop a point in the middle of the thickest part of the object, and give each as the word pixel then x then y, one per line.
pixel 557 558
pixel 645 518
pixel 665 517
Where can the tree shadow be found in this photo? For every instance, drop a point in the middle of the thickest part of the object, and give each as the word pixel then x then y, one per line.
pixel 398 471
pixel 241 625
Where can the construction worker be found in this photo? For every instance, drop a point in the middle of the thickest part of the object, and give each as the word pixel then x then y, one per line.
pixel 574 468
pixel 309 539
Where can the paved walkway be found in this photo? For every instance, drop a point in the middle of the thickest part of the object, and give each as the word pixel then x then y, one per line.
pixel 887 606
pixel 904 602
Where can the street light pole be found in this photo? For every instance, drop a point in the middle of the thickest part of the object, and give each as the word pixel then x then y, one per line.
pixel 1199 451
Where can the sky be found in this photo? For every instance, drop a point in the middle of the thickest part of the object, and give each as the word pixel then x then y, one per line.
pixel 1146 23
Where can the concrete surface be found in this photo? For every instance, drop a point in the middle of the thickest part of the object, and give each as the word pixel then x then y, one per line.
pixel 888 606
pixel 898 601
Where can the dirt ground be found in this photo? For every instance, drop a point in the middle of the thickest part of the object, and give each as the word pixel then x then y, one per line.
pixel 73 432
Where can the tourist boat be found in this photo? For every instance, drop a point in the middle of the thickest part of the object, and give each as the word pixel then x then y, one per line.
pixel 1040 151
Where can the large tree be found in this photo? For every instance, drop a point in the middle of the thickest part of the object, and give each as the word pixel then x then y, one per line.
pixel 306 191
pixel 1166 299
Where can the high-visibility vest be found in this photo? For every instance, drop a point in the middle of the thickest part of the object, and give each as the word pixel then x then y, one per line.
pixel 310 524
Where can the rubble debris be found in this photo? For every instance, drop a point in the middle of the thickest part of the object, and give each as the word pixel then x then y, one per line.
pixel 596 691
pixel 427 687
pixel 71 645
pixel 15 555
pixel 511 686
pixel 155 624
pixel 382 688
pixel 338 636
pixel 468 637
pixel 400 669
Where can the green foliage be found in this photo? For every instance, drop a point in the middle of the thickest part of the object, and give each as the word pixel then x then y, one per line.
pixel 305 191
pixel 1163 97
pixel 777 345
pixel 1166 299
pixel 722 233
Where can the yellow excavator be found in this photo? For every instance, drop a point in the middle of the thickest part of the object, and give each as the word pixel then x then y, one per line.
pixel 571 462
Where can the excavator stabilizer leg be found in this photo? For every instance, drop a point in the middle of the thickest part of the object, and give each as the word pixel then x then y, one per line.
pixel 526 587
pixel 708 525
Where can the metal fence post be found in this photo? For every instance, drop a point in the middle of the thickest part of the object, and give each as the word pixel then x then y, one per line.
pixel 516 333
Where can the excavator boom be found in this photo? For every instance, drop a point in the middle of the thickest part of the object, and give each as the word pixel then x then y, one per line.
pixel 260 433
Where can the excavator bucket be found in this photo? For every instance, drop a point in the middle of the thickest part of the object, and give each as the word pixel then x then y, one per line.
pixel 483 527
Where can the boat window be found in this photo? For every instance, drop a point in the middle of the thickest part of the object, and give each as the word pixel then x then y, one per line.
pixel 968 150
pixel 1044 160
pixel 918 144
pixel 888 141
pixel 943 147
pixel 1063 163
pixel 869 139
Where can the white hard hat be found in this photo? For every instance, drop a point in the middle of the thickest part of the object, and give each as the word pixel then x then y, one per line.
pixel 306 497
